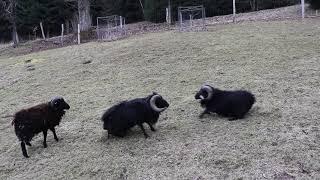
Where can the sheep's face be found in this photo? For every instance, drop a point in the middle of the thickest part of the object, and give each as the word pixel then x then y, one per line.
pixel 161 103
pixel 59 104
pixel 205 93
pixel 202 94
pixel 157 103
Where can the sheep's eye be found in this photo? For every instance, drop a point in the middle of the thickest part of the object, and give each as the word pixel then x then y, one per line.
pixel 56 103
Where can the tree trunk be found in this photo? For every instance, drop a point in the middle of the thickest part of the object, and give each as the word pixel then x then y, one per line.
pixel 15 38
pixel 254 5
pixel 84 14
pixel 67 26
pixel 13 19
pixel 48 33
pixel 169 11
pixel 142 8
pixel 74 22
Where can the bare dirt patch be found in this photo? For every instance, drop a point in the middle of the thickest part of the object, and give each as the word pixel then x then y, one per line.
pixel 277 61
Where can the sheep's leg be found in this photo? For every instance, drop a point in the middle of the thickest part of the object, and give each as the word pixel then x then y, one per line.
pixel 54 134
pixel 144 131
pixel 119 133
pixel 233 119
pixel 45 132
pixel 236 117
pixel 28 143
pixel 24 150
pixel 151 127
pixel 203 113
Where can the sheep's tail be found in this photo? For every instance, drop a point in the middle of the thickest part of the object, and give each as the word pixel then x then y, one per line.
pixel 253 99
pixel 107 114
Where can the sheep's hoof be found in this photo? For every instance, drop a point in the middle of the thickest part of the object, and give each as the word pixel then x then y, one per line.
pixel 25 155
pixel 45 145
pixel 28 143
pixel 146 136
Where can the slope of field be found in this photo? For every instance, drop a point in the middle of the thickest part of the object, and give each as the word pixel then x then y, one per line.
pixel 278 14
pixel 280 137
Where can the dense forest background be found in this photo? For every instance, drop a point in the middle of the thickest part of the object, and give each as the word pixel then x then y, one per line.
pixel 24 16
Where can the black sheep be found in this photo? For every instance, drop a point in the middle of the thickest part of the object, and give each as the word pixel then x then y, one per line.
pixel 121 117
pixel 233 104
pixel 29 122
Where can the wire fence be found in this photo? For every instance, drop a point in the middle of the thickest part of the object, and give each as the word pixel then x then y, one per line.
pixel 195 16
pixel 251 10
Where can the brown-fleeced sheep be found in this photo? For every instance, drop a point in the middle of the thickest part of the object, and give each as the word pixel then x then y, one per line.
pixel 40 118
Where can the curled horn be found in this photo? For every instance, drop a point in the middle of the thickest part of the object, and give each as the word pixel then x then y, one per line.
pixel 153 104
pixel 208 89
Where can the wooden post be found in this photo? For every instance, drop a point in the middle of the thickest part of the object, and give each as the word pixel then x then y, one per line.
pixel 317 12
pixel 121 23
pixel 78 33
pixel 98 34
pixel 169 11
pixel 124 26
pixel 234 10
pixel 17 37
pixel 302 9
pixel 42 31
pixel 204 16
pixel 180 19
pixel 62 29
pixel 167 15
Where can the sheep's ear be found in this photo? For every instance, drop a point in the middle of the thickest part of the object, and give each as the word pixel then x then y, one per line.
pixel 207 84
pixel 154 93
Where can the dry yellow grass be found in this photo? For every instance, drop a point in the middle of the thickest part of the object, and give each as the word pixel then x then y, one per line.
pixel 280 138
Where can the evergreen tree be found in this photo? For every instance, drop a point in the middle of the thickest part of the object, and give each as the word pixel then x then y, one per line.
pixel 315 4
pixel 52 13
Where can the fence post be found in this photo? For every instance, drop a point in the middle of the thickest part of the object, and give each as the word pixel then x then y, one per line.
pixel 41 27
pixel 169 11
pixel 234 10
pixel 78 33
pixel 302 9
pixel 204 16
pixel 121 23
pixel 62 29
pixel 98 34
pixel 167 15
pixel 180 19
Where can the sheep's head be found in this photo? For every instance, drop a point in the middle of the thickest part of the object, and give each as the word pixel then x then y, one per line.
pixel 205 92
pixel 58 103
pixel 157 103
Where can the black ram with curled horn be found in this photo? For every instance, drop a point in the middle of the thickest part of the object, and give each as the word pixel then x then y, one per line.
pixel 118 119
pixel 232 104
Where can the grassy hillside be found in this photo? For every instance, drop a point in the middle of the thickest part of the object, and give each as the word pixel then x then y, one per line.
pixel 277 61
